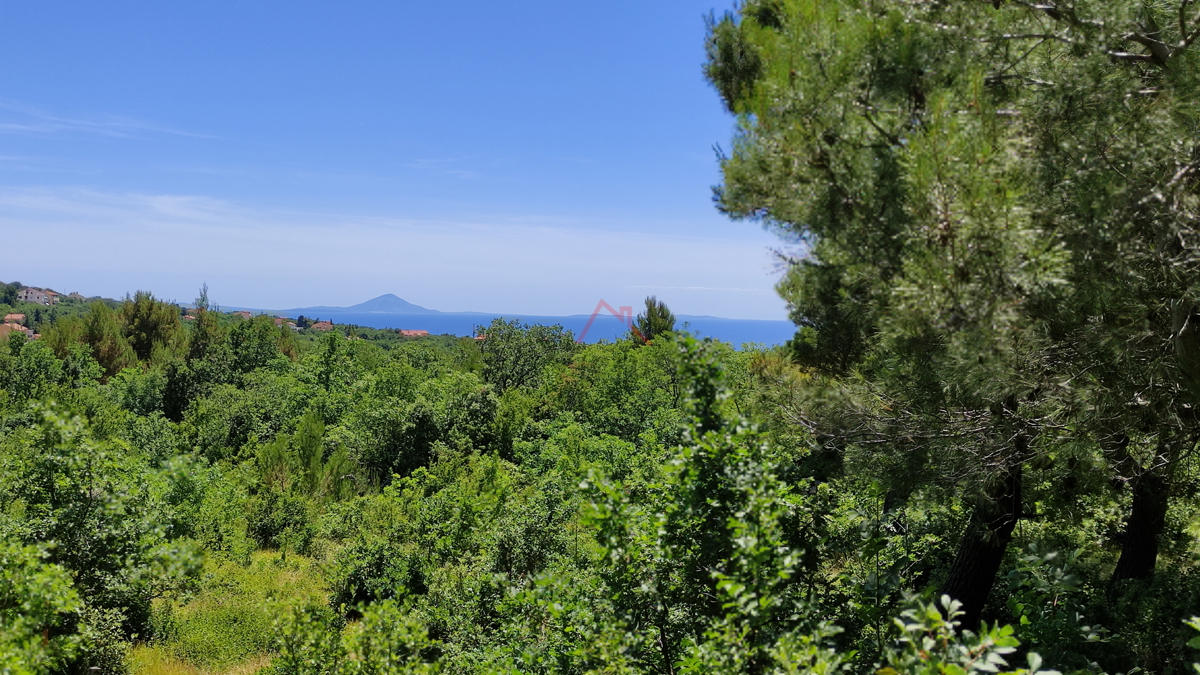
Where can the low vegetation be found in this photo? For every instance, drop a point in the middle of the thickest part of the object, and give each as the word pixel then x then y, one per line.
pixel 978 454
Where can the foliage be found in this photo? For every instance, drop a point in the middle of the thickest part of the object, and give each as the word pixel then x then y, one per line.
pixel 150 325
pixel 386 640
pixel 982 194
pixel 36 598
pixel 92 509
pixel 548 507
pixel 656 320
pixel 232 618
pixel 102 331
pixel 929 642
pixel 514 355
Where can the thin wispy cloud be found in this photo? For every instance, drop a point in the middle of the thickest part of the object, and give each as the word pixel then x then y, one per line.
pixel 448 166
pixel 23 119
pixel 113 243
pixel 698 288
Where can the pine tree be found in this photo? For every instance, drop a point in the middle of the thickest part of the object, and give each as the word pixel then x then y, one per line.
pixel 103 332
pixel 656 320
pixel 997 203
pixel 150 325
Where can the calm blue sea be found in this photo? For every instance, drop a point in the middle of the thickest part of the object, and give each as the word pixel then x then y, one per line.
pixel 734 331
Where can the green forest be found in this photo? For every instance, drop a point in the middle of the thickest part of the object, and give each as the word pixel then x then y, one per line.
pixel 978 454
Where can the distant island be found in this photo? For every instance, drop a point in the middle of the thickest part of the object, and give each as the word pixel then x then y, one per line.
pixel 387 303
pixel 393 312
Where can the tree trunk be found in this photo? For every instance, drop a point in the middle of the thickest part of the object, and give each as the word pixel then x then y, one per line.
pixel 1147 516
pixel 983 545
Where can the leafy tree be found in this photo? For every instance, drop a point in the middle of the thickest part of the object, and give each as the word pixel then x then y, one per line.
pixel 258 343
pixel 656 320
pixel 36 598
pixel 62 334
pixel 79 368
pixel 139 391
pixel 222 423
pixel 711 563
pixel 514 354
pixel 622 389
pixel 31 371
pixel 8 293
pixel 92 510
pixel 399 436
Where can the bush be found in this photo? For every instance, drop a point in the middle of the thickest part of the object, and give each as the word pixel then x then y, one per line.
pixel 281 520
pixel 36 598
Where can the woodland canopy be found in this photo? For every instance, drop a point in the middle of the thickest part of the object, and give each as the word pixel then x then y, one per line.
pixel 977 455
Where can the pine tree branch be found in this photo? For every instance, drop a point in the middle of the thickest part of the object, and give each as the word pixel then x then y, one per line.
pixel 1160 53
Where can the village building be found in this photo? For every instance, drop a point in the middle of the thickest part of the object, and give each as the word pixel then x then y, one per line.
pixel 322 325
pixel 10 328
pixel 39 296
pixel 244 314
pixel 14 318
pixel 414 333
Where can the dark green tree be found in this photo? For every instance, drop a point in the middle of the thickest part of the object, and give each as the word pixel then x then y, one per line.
pixel 207 360
pixel 8 293
pixel 656 320
pixel 150 325
pixel 102 331
pixel 996 208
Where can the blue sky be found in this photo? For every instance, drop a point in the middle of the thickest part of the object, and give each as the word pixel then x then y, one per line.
pixel 527 157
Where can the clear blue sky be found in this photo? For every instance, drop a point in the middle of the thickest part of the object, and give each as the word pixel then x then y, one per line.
pixel 525 157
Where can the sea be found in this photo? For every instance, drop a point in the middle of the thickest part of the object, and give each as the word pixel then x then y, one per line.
pixel 605 327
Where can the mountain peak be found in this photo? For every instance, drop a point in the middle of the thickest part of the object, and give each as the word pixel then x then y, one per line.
pixel 389 303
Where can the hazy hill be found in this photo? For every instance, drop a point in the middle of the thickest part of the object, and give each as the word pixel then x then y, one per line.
pixel 385 304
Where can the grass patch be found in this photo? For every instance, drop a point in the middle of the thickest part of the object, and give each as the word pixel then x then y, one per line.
pixel 227 623
pixel 156 660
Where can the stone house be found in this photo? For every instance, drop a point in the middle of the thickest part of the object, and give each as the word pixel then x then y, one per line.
pixel 38 296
